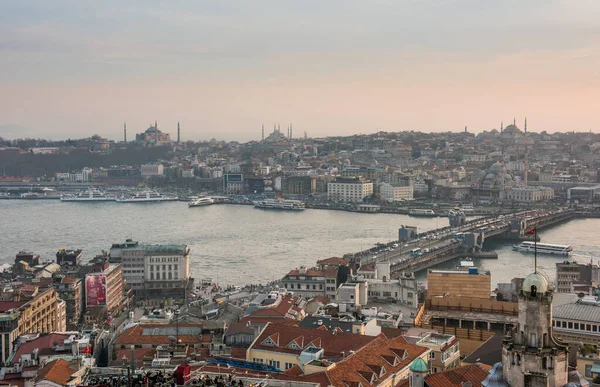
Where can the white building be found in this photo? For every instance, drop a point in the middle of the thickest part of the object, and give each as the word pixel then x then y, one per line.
pixel 153 270
pixel 530 194
pixel 395 192
pixel 349 190
pixel 61 315
pixel 152 170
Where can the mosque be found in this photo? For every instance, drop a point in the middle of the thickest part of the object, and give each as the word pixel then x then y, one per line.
pixel 153 136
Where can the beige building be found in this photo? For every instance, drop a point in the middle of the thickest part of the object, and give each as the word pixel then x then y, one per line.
pixel 578 322
pixel 530 194
pixel 61 316
pixel 445 351
pixel 395 192
pixel 104 288
pixel 352 190
pixel 152 170
pixel 458 283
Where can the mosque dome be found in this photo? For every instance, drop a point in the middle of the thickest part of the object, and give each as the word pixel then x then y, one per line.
pixel 492 179
pixel 419 365
pixel 496 167
pixel 537 280
pixel 511 129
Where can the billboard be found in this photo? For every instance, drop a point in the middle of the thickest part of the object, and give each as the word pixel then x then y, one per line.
pixel 95 290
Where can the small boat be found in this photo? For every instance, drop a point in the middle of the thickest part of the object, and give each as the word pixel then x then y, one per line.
pixel 280 204
pixel 199 202
pixel 147 196
pixel 543 248
pixel 420 212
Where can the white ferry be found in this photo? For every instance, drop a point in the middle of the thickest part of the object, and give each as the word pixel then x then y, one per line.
pixel 199 202
pixel 147 196
pixel 543 248
pixel 272 204
pixel 90 195
pixel 418 212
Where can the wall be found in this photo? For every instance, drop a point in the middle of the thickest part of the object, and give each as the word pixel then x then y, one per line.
pixel 456 284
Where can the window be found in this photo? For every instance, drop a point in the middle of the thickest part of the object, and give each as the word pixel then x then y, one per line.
pixel 288 365
pixel 564 324
pixel 151 276
pixel 291 286
pixel 274 363
pixel 170 267
pixel 257 360
pixel 432 355
pixel 151 267
pixel 576 326
pixel 164 275
pixel 352 296
pixel 594 328
pixel 570 325
pixel 314 287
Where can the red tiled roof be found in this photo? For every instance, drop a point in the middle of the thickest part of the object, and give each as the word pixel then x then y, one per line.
pixel 334 345
pixel 138 356
pixel 7 305
pixel 321 299
pixel 367 268
pixel 474 373
pixel 370 363
pixel 58 371
pixel 333 261
pixel 41 343
pixel 68 280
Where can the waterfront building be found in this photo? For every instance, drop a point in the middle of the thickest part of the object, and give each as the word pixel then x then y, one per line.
pixel 529 194
pixel 148 170
pixel 233 184
pixel 458 283
pixel 578 322
pixel 353 190
pixel 313 282
pixel 298 185
pixel 28 257
pixel 395 192
pixel 70 290
pixel 154 271
pixel 583 194
pixel 69 257
pixel 366 173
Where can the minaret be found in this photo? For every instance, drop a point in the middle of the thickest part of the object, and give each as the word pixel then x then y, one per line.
pixel 178 133
pixel 465 129
pixel 155 125
pixel 501 126
pixel 525 124
pixel 514 121
pixel 125 132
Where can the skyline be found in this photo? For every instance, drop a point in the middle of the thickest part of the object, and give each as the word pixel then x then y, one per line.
pixel 339 68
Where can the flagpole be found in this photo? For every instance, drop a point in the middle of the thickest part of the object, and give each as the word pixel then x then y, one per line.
pixel 535 249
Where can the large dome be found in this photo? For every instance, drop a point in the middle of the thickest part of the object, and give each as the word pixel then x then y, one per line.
pixel 537 280
pixel 493 178
pixel 511 129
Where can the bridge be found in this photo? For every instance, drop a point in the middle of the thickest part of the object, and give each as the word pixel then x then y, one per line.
pixel 447 246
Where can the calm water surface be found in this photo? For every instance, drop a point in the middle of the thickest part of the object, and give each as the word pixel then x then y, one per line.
pixel 241 244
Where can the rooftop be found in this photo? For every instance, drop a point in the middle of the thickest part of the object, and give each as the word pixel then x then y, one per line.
pixel 577 311
pixel 474 373
pixel 57 371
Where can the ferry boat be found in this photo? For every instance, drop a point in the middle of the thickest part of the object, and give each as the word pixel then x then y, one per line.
pixel 147 196
pixel 90 195
pixel 272 204
pixel 199 202
pixel 543 248
pixel 419 212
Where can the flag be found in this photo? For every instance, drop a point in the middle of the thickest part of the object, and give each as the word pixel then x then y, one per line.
pixel 87 350
pixel 531 232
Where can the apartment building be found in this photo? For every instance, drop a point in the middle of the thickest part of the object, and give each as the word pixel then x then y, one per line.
pixel 573 273
pixel 352 190
pixel 313 282
pixel 70 290
pixel 154 270
pixel 395 192
pixel 152 170
pixel 104 287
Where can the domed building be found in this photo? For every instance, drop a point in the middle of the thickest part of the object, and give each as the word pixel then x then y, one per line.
pixel 153 136
pixel 494 182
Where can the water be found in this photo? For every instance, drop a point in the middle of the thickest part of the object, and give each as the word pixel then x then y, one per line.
pixel 241 244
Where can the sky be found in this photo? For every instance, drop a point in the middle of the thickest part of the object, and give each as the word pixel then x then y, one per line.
pixel 72 68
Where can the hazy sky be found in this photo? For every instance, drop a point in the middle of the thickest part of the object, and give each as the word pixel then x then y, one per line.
pixel 223 68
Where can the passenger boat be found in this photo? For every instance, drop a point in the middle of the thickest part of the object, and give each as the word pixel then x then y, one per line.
pixel 147 196
pixel 419 212
pixel 272 204
pixel 543 248
pixel 199 202
pixel 90 195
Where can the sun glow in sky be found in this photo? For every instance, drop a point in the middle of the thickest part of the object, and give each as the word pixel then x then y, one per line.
pixel 73 68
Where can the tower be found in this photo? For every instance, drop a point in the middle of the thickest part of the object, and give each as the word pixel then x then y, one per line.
pixel 501 126
pixel 514 121
pixel 155 124
pixel 530 355
pixel 125 132
pixel 178 133
pixel 525 125
pixel 418 371
pixel 465 129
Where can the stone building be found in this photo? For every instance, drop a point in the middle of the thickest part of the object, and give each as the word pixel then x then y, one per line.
pixel 531 356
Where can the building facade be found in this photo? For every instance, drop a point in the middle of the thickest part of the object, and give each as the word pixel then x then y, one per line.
pixel 152 170
pixel 458 283
pixel 154 270
pixel 352 190
pixel 104 288
pixel 310 283
pixel 529 194
pixel 70 290
pixel 395 192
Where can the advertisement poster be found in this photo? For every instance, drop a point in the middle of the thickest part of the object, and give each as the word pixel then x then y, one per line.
pixel 95 288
